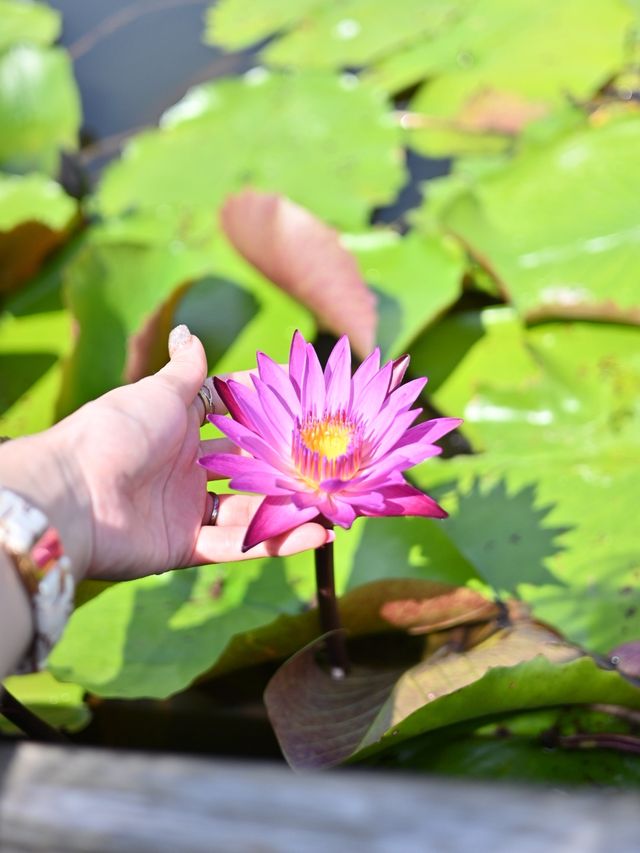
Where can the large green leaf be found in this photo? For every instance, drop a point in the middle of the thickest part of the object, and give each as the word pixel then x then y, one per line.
pixel 39 108
pixel 556 225
pixel 561 749
pixel 61 705
pixel 153 637
pixel 235 25
pixel 555 411
pixel 35 337
pixel 234 133
pixel 34 198
pixel 112 287
pixel 415 278
pixel 356 33
pixel 500 65
pixel 35 218
pixel 27 22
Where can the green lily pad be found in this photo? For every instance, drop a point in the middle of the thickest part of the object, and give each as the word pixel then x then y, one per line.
pixel 36 216
pixel 357 33
pixel 234 25
pixel 28 22
pixel 415 279
pixel 233 133
pixel 60 705
pixel 556 227
pixel 504 755
pixel 39 108
pixel 112 287
pixel 554 410
pixel 497 68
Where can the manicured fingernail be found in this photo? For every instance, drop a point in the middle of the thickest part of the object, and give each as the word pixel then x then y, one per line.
pixel 178 338
pixel 331 536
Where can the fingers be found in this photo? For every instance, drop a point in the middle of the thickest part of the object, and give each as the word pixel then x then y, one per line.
pixel 187 367
pixel 237 510
pixel 224 544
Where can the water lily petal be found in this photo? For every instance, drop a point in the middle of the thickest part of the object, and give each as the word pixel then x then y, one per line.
pixel 365 373
pixel 228 398
pixel 428 431
pixel 275 515
pixel 252 443
pixel 230 464
pixel 400 366
pixel 313 389
pixel 406 500
pixel 278 380
pixel 337 375
pixel 297 362
pixel 269 428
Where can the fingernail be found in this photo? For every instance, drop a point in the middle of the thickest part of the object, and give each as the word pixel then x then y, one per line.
pixel 331 536
pixel 178 338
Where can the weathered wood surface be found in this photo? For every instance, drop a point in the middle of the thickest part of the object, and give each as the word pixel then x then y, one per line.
pixel 62 800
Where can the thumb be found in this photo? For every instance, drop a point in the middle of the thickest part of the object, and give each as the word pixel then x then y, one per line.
pixel 187 368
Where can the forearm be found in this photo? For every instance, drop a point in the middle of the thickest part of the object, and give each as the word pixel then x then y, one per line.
pixel 16 625
pixel 40 469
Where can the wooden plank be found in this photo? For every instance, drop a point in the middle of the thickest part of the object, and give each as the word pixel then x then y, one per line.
pixel 62 800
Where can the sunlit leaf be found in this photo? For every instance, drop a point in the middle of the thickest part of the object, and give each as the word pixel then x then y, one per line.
pixel 555 411
pixel 35 216
pixel 557 228
pixel 60 705
pixel 39 108
pixel 234 25
pixel 415 279
pixel 501 65
pixel 236 133
pixel 27 22
pixel 112 289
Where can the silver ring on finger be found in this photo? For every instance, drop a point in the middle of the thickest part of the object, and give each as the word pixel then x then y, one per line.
pixel 215 510
pixel 206 395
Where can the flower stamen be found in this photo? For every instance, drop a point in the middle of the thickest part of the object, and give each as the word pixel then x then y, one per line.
pixel 327 448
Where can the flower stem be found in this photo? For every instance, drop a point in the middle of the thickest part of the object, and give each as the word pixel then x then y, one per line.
pixel 329 613
pixel 28 722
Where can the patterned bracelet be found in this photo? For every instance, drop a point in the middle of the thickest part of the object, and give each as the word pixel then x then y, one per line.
pixel 35 548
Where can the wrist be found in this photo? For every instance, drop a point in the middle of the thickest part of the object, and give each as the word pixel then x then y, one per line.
pixel 45 469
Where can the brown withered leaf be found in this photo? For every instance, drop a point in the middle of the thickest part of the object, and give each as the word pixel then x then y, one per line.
pixel 24 249
pixel 321 722
pixel 304 257
pixel 493 111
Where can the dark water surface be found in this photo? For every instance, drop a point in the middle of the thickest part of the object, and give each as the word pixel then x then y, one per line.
pixel 134 58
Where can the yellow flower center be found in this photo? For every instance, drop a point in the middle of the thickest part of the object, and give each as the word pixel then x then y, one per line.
pixel 329 438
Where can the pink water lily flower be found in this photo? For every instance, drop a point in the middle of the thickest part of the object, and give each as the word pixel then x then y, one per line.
pixel 325 443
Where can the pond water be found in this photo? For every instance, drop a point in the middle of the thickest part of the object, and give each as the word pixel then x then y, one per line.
pixel 135 58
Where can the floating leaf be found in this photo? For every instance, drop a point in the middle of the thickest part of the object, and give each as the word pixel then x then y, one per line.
pixel 555 411
pixel 60 705
pixel 109 310
pixel 234 133
pixel 556 225
pixel 35 217
pixel 234 25
pixel 304 257
pixel 39 108
pixel 27 22
pixel 508 62
pixel 415 279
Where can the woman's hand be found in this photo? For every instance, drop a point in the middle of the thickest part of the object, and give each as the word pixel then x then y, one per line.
pixel 134 500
